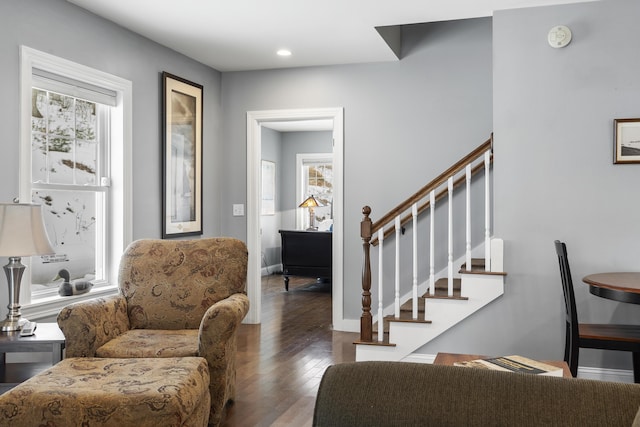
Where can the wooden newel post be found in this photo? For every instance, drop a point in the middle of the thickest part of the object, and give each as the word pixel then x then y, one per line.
pixel 366 321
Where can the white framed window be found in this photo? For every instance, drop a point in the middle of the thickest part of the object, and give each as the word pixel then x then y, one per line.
pixel 75 160
pixel 314 173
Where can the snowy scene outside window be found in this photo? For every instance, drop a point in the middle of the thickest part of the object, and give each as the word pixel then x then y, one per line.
pixel 318 181
pixel 65 158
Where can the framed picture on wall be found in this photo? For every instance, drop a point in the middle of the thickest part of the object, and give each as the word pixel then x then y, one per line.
pixel 626 141
pixel 182 157
pixel 268 199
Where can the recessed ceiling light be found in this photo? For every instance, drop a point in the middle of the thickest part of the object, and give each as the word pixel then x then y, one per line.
pixel 284 52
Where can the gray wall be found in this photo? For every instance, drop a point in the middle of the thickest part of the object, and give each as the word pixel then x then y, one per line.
pixel 551 110
pixel 62 29
pixel 555 177
pixel 554 173
pixel 414 117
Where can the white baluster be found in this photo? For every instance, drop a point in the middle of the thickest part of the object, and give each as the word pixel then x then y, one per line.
pixel 450 239
pixel 397 294
pixel 487 211
pixel 414 215
pixel 380 286
pixel 432 245
pixel 468 226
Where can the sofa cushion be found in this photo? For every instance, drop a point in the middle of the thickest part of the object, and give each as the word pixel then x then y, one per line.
pixel 89 391
pixel 414 394
pixel 152 343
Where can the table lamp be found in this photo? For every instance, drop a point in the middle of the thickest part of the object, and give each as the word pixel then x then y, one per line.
pixel 22 233
pixel 310 202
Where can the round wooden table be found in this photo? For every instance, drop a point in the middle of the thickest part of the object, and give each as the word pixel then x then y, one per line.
pixel 618 286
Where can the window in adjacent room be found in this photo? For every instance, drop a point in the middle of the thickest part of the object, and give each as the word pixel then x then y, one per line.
pixel 73 163
pixel 316 178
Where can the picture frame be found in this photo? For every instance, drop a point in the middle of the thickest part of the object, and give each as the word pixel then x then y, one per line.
pixel 626 141
pixel 268 202
pixel 182 157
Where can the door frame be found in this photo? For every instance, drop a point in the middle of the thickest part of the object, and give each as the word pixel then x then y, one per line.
pixel 254 156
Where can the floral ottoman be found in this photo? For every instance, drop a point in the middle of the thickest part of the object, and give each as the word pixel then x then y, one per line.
pixel 88 391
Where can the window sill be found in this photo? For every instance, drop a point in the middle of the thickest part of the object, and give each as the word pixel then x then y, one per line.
pixel 50 306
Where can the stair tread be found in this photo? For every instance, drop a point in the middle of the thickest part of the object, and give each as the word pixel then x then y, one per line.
pixel 443 283
pixel 406 315
pixel 408 306
pixel 384 343
pixel 477 265
pixel 442 290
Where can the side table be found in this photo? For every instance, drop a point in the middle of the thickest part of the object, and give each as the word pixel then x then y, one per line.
pixel 48 338
pixel 451 358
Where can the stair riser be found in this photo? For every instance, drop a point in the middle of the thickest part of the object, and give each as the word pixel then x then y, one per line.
pixel 408 337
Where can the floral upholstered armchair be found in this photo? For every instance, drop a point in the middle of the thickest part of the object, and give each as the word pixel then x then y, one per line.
pixel 176 298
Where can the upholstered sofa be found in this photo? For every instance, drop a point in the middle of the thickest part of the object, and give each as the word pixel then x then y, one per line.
pixel 411 394
pixel 176 298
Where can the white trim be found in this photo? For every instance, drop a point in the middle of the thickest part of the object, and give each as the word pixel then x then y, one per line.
pixel 120 221
pixel 50 307
pixel 254 143
pixel 604 374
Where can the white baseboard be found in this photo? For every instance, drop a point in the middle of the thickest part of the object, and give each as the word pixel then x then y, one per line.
pixel 602 374
pixel 586 372
pixel 266 271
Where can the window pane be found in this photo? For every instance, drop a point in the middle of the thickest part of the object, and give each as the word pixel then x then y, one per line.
pixel 86 143
pixel 64 139
pixel 70 219
pixel 61 117
pixel 39 149
pixel 319 183
pixel 39 157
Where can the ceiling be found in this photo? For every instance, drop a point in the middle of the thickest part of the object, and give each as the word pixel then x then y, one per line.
pixel 238 35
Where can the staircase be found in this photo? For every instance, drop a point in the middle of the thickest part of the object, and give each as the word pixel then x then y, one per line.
pixel 419 311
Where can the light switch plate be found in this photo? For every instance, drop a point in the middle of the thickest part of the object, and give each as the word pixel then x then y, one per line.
pixel 238 210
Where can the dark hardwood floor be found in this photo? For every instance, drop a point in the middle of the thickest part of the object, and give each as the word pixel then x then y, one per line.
pixel 281 361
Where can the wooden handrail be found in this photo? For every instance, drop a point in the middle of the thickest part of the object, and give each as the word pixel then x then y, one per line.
pixel 442 178
pixel 423 207
pixel 368 228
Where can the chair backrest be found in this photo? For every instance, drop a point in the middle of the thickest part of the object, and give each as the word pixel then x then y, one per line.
pixel 571 333
pixel 170 284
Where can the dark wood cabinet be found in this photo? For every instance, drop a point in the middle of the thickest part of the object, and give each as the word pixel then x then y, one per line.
pixel 306 253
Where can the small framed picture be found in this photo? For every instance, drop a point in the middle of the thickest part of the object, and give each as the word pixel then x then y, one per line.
pixel 626 141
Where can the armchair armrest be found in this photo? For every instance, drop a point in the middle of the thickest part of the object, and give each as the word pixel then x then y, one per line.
pixel 87 325
pixel 218 327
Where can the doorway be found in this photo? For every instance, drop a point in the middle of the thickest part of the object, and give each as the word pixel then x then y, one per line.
pixel 255 121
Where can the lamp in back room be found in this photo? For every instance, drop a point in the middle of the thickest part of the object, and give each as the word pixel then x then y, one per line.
pixel 311 203
pixel 22 233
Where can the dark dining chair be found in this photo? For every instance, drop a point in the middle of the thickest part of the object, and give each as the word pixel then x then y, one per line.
pixel 592 335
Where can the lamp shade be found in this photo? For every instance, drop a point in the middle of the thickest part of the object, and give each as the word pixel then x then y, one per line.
pixel 22 231
pixel 309 202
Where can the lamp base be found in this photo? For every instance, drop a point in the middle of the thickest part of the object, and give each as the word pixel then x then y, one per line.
pixel 13 325
pixel 14 321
